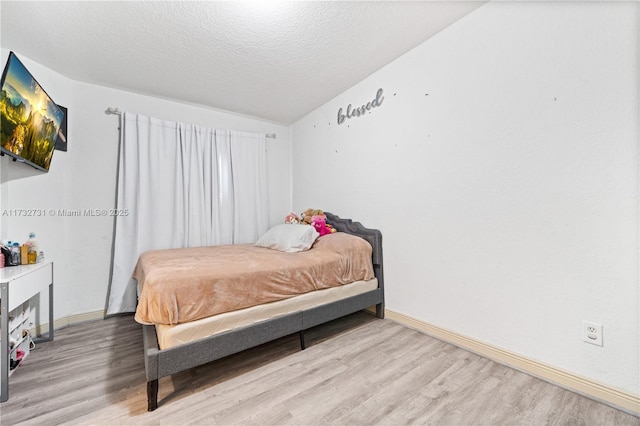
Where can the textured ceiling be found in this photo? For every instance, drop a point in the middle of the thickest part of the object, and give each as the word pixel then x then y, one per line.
pixel 273 60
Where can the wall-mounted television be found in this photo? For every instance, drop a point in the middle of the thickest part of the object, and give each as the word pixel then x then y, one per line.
pixel 29 119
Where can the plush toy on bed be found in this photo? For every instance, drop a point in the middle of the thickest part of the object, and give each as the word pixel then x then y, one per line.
pixel 292 218
pixel 308 214
pixel 319 222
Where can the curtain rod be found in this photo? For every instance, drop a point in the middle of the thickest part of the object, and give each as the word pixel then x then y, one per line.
pixel 116 111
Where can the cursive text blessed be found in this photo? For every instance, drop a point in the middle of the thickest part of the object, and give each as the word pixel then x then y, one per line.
pixel 357 112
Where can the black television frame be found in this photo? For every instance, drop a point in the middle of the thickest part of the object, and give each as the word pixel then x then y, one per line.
pixel 3 150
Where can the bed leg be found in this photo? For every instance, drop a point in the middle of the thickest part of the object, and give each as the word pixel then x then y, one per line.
pixel 303 346
pixel 152 395
pixel 380 310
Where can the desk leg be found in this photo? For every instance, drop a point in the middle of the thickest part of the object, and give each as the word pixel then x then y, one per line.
pixel 4 344
pixel 49 337
pixel 50 311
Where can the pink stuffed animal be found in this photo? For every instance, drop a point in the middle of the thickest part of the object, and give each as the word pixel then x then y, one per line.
pixel 319 222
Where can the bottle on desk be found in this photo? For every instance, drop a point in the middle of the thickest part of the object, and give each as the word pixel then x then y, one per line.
pixel 32 256
pixel 32 242
pixel 32 253
pixel 15 254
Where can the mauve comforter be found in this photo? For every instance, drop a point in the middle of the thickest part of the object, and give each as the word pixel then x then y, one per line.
pixel 181 285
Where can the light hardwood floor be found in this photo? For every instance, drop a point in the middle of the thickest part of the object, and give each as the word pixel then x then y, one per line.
pixel 355 371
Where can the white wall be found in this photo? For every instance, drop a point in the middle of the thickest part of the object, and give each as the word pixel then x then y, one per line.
pixel 84 177
pixel 502 169
pixel 26 189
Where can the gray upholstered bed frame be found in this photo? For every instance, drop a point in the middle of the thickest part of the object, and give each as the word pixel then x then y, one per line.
pixel 164 362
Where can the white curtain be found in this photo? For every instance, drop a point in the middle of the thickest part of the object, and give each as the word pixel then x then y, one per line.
pixel 182 185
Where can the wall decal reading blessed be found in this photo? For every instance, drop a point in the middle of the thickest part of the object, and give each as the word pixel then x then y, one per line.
pixel 357 112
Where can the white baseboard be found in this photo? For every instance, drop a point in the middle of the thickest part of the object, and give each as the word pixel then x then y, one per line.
pixel 617 398
pixel 67 321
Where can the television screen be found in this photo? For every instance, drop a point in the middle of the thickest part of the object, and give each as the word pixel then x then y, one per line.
pixel 29 118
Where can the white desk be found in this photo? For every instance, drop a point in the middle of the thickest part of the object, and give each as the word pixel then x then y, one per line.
pixel 18 284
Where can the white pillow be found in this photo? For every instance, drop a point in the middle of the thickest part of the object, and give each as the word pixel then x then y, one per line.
pixel 289 237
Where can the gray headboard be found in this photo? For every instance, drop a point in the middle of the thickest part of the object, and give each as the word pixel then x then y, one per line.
pixel 373 236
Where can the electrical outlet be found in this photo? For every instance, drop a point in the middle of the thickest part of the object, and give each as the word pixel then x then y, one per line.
pixel 592 333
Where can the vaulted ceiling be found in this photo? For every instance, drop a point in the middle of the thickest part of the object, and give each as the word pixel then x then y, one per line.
pixel 272 60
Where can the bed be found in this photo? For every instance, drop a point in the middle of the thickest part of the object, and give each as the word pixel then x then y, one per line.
pixel 186 337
